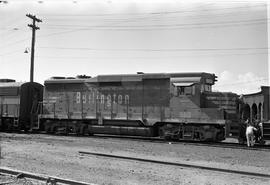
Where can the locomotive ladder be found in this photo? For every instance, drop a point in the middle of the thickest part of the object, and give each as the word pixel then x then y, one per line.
pixel 35 110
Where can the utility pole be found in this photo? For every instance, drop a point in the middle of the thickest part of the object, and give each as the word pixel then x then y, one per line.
pixel 34 28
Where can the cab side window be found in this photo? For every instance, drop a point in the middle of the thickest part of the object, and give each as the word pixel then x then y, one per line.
pixel 185 90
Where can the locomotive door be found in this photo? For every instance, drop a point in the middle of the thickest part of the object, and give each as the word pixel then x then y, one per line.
pixel 67 106
pixel 34 112
pixel 99 112
pixel 91 104
pixel 155 99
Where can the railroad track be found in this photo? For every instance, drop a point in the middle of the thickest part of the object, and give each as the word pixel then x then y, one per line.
pixel 186 165
pixel 183 142
pixel 39 177
pixel 186 142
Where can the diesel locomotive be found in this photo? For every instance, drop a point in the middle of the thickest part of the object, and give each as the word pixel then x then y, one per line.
pixel 18 102
pixel 169 105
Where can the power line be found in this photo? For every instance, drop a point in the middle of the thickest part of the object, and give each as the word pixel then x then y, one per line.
pixel 194 16
pixel 128 20
pixel 15 33
pixel 158 50
pixel 70 31
pixel 149 58
pixel 76 30
pixel 152 18
pixel 162 25
pixel 152 13
pixel 142 28
pixel 142 18
pixel 16 42
pixel 153 28
pixel 60 33
pixel 13 23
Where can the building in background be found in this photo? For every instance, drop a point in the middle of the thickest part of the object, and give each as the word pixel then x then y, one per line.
pixel 256 105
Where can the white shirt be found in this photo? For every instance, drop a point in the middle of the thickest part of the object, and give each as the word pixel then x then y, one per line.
pixel 250 129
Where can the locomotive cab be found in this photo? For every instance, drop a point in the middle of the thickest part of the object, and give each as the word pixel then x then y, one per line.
pixel 188 116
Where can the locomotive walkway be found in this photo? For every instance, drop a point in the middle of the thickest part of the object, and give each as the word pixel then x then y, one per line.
pixel 247 173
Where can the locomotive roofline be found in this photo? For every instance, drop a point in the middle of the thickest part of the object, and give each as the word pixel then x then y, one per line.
pixel 11 84
pixel 55 81
pixel 15 84
pixel 195 77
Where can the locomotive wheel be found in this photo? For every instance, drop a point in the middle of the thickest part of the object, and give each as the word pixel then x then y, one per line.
pixel 47 129
pixel 85 131
pixel 219 137
pixel 201 137
pixel 77 131
pixel 241 140
pixel 262 142
pixel 160 132
pixel 168 138
pixel 176 138
pixel 54 130
pixel 9 125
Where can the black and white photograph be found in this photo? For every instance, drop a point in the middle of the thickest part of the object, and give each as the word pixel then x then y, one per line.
pixel 134 92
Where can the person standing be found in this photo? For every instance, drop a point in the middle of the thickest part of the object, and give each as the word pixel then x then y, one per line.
pixel 250 135
pixel 261 129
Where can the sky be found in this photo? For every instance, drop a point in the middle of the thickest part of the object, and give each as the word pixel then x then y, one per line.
pixel 227 38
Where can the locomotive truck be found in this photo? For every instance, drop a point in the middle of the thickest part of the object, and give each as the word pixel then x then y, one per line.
pixel 169 105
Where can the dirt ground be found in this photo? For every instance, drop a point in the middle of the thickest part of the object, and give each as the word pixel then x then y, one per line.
pixel 58 156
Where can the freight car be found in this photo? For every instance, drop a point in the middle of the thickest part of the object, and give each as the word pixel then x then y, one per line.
pixel 169 105
pixel 17 102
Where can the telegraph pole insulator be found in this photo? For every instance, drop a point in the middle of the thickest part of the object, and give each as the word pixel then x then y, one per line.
pixel 34 28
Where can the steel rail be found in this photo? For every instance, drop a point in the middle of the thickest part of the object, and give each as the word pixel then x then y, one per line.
pixel 195 143
pixel 40 177
pixel 183 142
pixel 247 173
